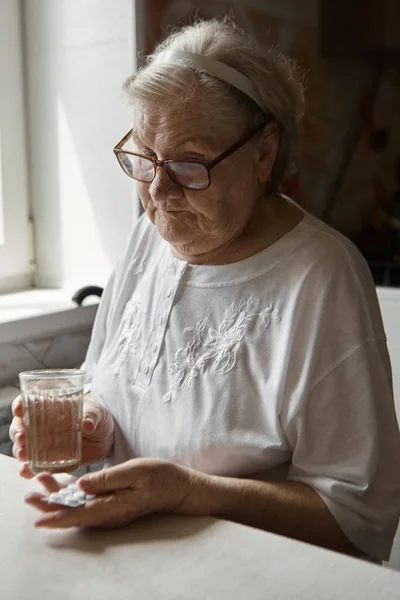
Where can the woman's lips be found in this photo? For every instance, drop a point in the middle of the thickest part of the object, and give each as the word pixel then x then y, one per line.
pixel 170 211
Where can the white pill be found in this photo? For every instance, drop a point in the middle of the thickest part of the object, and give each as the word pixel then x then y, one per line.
pixel 70 501
pixel 69 498
pixel 55 497
pixel 73 487
pixel 79 495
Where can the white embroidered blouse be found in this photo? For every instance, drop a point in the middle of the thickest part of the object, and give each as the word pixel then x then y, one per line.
pixel 272 367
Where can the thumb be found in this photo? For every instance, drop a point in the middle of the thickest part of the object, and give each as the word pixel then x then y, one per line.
pixel 96 417
pixel 107 480
pixel 90 420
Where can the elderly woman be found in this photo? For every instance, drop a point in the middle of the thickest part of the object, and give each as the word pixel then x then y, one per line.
pixel 238 363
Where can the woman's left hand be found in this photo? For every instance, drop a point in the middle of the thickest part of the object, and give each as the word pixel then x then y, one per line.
pixel 123 493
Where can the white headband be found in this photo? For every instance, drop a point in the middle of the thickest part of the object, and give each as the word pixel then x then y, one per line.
pixel 212 67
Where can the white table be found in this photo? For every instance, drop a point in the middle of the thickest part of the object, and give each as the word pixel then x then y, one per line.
pixel 169 558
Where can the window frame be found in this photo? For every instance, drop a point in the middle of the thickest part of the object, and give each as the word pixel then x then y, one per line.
pixel 15 263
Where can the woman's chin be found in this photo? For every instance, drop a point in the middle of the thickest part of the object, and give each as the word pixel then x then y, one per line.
pixel 173 229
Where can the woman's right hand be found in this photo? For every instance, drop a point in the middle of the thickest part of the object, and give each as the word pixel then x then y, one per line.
pixel 97 433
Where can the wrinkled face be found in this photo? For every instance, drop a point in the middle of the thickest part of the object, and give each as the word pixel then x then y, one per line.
pixel 196 222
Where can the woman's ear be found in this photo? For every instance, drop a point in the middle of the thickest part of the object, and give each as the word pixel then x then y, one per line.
pixel 266 151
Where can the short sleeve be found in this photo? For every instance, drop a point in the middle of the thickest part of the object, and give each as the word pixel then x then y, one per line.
pixel 345 442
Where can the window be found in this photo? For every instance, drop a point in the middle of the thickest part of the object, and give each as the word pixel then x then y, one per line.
pixel 62 65
pixel 15 271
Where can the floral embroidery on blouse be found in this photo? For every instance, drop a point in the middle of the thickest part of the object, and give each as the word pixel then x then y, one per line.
pixel 131 329
pixel 217 349
pixel 137 266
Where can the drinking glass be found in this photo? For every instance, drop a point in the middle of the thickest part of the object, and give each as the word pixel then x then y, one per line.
pixel 53 408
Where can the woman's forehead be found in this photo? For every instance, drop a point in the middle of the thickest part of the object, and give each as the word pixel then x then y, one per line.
pixel 155 123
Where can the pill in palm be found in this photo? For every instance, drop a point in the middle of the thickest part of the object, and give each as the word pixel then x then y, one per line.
pixel 79 495
pixel 71 496
pixel 72 487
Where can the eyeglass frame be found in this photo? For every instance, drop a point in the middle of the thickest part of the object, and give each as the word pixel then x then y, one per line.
pixel 208 164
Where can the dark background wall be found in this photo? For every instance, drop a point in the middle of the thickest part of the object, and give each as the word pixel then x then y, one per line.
pixel 349 160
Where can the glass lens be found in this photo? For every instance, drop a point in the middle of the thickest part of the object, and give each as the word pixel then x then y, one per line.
pixel 190 175
pixel 137 167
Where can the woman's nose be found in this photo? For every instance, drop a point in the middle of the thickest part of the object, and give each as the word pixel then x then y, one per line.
pixel 162 187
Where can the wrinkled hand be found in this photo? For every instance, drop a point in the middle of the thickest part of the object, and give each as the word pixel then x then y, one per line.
pixel 97 433
pixel 124 493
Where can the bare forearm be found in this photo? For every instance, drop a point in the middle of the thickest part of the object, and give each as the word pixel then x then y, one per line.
pixel 287 508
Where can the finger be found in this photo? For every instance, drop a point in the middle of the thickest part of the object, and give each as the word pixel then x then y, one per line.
pixel 19 442
pixel 48 482
pixel 20 453
pixel 56 514
pixel 106 480
pixel 17 407
pixel 21 438
pixel 61 519
pixel 17 427
pixel 25 472
pixel 53 515
pixel 58 520
pixel 35 499
pixel 108 511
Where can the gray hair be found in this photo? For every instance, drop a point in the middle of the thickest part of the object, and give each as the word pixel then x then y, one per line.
pixel 276 78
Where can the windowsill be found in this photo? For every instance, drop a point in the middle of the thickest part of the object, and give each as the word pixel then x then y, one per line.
pixel 41 313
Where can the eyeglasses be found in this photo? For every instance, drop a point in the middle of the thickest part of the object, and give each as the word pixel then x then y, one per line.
pixel 189 174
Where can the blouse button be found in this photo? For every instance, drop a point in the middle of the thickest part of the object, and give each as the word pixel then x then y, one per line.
pixel 160 320
pixel 154 348
pixel 146 369
pixel 168 293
